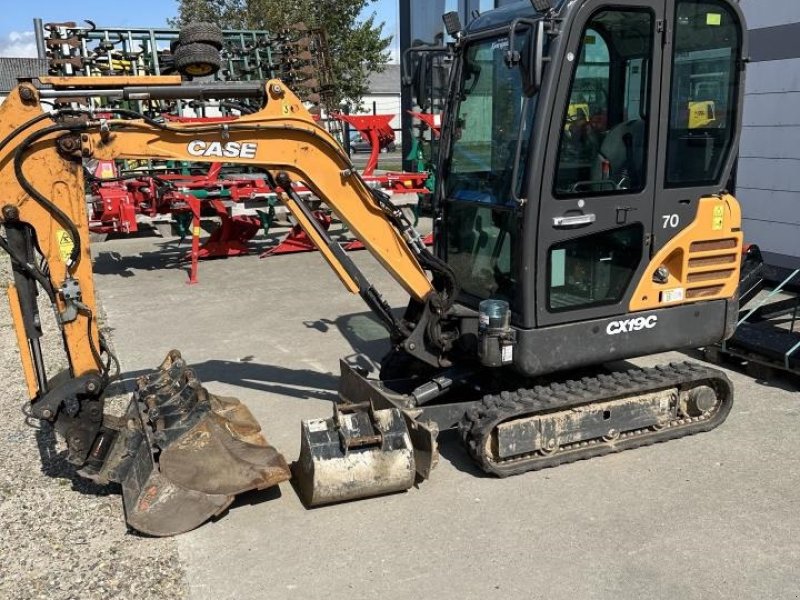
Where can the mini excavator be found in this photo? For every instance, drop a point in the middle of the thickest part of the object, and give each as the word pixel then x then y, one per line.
pixel 565 239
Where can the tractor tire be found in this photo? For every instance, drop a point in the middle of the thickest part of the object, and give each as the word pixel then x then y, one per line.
pixel 201 33
pixel 197 60
pixel 166 64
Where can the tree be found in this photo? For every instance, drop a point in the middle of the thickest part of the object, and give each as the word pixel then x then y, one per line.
pixel 357 48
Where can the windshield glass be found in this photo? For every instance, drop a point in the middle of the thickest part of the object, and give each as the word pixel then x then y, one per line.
pixel 489 124
pixel 492 125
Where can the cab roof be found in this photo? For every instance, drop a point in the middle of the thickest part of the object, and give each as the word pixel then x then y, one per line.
pixel 503 16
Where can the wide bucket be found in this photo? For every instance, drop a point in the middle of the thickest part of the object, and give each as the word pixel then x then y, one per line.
pixel 184 454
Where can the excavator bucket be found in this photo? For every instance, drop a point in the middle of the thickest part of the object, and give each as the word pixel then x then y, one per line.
pixel 184 454
pixel 359 453
pixel 362 451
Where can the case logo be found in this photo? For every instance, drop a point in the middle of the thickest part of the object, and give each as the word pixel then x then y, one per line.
pixel 631 325
pixel 222 150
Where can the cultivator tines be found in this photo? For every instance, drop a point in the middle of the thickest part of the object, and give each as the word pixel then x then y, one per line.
pixel 184 454
pixel 91 50
pixel 305 64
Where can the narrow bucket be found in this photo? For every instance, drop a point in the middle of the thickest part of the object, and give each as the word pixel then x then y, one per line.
pixel 358 453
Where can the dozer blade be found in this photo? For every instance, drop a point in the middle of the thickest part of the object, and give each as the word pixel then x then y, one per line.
pixel 184 453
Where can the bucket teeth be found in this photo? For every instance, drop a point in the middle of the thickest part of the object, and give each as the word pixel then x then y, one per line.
pixel 189 452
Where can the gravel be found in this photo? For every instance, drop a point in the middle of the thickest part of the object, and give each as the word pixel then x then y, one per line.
pixel 61 536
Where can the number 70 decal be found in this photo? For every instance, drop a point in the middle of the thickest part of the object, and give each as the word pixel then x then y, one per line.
pixel 671 221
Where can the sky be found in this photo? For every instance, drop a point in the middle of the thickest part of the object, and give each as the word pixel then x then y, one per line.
pixel 16 26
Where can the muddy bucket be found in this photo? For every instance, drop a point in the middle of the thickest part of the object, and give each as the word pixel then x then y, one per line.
pixel 358 453
pixel 184 454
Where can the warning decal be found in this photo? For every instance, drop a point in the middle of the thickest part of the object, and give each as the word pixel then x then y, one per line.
pixel 65 244
pixel 718 218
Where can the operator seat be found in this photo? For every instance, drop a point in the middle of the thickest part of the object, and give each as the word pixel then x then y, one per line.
pixel 624 149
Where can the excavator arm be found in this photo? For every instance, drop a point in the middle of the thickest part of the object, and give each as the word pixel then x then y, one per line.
pixel 40 166
pixel 46 226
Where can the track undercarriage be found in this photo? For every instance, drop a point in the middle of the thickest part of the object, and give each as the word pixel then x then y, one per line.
pixel 511 432
pixel 546 426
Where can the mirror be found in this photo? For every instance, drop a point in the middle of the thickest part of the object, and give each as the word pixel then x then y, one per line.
pixel 425 68
pixel 421 84
pixel 526 52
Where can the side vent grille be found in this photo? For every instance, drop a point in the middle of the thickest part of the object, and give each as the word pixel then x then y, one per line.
pixel 711 266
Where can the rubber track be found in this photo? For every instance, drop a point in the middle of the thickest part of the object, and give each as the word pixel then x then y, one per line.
pixel 479 422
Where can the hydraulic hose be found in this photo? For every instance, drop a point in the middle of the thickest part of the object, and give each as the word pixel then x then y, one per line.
pixel 51 207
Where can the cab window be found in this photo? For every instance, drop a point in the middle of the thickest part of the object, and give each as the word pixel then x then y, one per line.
pixel 703 96
pixel 603 145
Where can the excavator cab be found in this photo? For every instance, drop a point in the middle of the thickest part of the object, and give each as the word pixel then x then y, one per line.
pixel 575 187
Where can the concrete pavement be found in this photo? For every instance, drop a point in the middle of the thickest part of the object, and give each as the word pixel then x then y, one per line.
pixel 712 516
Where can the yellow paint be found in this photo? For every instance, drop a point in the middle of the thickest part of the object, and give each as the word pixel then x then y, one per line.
pixel 65 244
pixel 701 259
pixel 64 184
pixel 196 232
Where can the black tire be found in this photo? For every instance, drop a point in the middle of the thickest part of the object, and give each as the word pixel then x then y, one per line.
pixel 166 63
pixel 201 33
pixel 197 60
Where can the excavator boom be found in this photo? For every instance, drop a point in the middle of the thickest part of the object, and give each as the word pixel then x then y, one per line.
pixel 167 488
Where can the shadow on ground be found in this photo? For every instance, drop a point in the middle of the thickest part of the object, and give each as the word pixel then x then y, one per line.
pixel 365 335
pixel 173 253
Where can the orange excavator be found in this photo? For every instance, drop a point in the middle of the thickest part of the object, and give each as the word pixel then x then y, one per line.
pixel 555 254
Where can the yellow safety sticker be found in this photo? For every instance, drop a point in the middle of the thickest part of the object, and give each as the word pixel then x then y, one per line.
pixel 714 19
pixel 196 232
pixel 286 108
pixel 65 244
pixel 718 218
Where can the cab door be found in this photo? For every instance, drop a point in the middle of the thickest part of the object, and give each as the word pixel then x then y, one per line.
pixel 598 189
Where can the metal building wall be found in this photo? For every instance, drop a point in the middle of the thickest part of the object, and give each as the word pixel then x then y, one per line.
pixel 768 182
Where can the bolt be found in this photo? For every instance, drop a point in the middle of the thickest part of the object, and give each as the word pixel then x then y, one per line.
pixel 10 213
pixel 91 386
pixel 26 95
pixel 412 346
pixel 277 89
pixel 84 137
pixel 86 152
pixel 551 444
pixel 46 413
